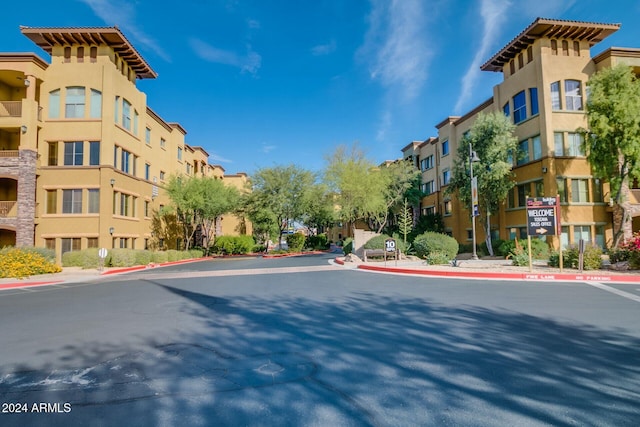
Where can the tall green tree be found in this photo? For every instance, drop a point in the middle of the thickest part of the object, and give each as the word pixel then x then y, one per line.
pixel 612 143
pixel 356 185
pixel 279 193
pixel 405 221
pixel 492 138
pixel 318 208
pixel 198 203
pixel 401 181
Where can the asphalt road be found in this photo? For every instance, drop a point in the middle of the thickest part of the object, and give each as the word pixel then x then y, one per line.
pixel 298 342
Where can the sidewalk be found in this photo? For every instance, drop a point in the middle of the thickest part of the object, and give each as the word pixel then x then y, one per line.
pixel 497 269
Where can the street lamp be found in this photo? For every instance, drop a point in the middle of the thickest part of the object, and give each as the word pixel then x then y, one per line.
pixel 473 157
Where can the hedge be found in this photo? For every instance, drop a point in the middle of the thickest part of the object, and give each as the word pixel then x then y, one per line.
pixel 430 242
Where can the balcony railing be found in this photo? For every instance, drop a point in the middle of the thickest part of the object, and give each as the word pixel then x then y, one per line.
pixel 9 153
pixel 5 208
pixel 10 108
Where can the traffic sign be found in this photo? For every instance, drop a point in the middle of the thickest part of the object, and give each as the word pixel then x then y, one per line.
pixel 102 253
pixel 541 216
pixel 390 245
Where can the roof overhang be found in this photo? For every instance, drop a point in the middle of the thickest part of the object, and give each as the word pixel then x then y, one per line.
pixel 47 37
pixel 552 28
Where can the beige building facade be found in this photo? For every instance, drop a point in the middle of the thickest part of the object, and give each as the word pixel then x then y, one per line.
pixel 83 158
pixel 545 69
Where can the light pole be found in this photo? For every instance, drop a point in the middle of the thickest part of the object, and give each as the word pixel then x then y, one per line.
pixel 473 157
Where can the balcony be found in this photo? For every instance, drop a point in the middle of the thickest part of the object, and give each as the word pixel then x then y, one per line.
pixel 10 108
pixel 8 209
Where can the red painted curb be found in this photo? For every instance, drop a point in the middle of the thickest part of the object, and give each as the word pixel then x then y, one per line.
pixel 144 267
pixel 521 276
pixel 28 284
pixel 293 254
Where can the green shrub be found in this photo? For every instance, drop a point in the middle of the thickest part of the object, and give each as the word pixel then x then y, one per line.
pixel 592 258
pixel 233 245
pixel 90 258
pixel 196 253
pixel 159 257
pixel 619 255
pixel 519 255
pixel 481 249
pixel 295 242
pixel 72 259
pixel 430 242
pixel 318 242
pixel 173 255
pixel 505 247
pixel 143 257
pixel 347 246
pixel 437 258
pixel 122 257
pixel 378 243
pixel 48 254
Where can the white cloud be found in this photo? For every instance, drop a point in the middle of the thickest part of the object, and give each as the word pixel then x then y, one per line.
pixel 217 158
pixel 396 46
pixel 324 49
pixel 493 13
pixel 249 63
pixel 268 148
pixel 122 13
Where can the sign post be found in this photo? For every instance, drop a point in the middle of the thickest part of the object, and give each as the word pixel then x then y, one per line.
pixel 390 246
pixel 541 219
pixel 102 254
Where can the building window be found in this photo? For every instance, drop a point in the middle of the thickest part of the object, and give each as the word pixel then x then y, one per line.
pixel 124 243
pixel 519 107
pixel 529 54
pixel 135 122
pixel 188 166
pixel 512 67
pixel 580 190
pixel 558 143
pixel 576 48
pixel 555 96
pixel 597 191
pixel 161 175
pixel 554 47
pixel 520 61
pixel 80 54
pixel 50 244
pixel 92 242
pixel 116 112
pixel 179 153
pixel 600 236
pixel 74 103
pixel 94 153
pixel 73 153
pixel 573 95
pixel 575 144
pixel 562 189
pixel 96 104
pixel 72 201
pixel 523 193
pixel 539 188
pixel 533 97
pixel 511 202
pixel 54 104
pixel 446 177
pixel 124 204
pixel 565 48
pixel 52 201
pixel 581 232
pixel 448 209
pixel 125 161
pixel 147 136
pixel 67 54
pixel 537 147
pixel 523 152
pixel 93 54
pixel 126 114
pixel 53 154
pixel 146 208
pixel 70 244
pixel 94 200
pixel 505 109
pixel 445 147
pixel 147 171
pixel 428 187
pixel 163 143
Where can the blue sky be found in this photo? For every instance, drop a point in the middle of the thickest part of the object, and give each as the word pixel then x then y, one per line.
pixel 259 83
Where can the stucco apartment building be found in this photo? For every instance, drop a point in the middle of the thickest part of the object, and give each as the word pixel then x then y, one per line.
pixel 545 69
pixel 83 159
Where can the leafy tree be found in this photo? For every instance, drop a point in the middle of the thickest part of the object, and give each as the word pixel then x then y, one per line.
pixel 612 143
pixel 401 181
pixel 198 202
pixel 278 193
pixel 358 191
pixel 318 208
pixel 492 138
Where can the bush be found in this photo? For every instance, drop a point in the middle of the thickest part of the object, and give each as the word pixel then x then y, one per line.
pixel 295 242
pixel 159 257
pixel 318 242
pixel 431 242
pixel 19 263
pixel 72 259
pixel 519 254
pixel 173 255
pixel 481 249
pixel 437 258
pixel 122 258
pixel 570 258
pixel 631 249
pixel 48 254
pixel 143 257
pixel 233 245
pixel 195 253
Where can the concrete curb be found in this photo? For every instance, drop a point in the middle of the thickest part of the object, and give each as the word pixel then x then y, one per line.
pixel 551 277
